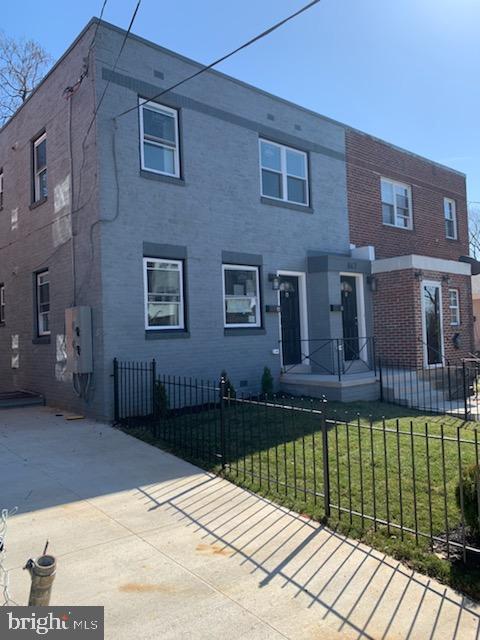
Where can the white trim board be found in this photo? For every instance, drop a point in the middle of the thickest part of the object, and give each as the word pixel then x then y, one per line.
pixel 421 262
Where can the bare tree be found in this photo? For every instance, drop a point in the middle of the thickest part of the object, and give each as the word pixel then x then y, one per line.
pixel 474 230
pixel 23 64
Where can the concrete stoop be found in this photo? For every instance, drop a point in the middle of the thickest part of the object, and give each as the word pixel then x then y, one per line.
pixel 351 388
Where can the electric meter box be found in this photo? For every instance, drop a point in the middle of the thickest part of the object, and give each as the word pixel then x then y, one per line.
pixel 78 337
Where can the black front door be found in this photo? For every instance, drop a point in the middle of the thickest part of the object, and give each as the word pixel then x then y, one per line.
pixel 290 320
pixel 350 317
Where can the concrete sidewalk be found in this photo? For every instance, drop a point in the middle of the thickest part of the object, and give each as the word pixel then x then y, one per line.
pixel 173 552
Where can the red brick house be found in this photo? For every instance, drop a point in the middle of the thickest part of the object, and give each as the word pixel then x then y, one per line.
pixel 412 214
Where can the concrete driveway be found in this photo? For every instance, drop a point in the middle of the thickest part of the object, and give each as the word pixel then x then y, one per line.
pixel 172 552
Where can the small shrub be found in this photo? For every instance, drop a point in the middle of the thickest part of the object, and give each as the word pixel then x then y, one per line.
pixel 470 480
pixel 228 387
pixel 160 400
pixel 267 382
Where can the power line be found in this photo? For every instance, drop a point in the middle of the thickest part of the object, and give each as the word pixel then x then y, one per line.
pixel 225 57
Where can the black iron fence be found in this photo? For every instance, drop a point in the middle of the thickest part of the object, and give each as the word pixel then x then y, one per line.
pixel 329 356
pixel 446 389
pixel 418 480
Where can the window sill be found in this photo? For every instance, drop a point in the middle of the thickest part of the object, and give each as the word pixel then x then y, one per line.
pixel 41 340
pixel 394 226
pixel 36 204
pixel 240 331
pixel 285 205
pixel 165 334
pixel 151 175
pixel 452 239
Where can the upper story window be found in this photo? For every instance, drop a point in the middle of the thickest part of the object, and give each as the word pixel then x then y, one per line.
pixel 1 188
pixel 40 168
pixel 159 139
pixel 284 173
pixel 164 301
pixel 450 213
pixel 396 204
pixel 43 303
pixel 2 303
pixel 454 305
pixel 241 294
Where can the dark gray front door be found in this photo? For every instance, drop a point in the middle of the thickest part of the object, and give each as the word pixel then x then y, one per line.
pixel 350 317
pixel 290 320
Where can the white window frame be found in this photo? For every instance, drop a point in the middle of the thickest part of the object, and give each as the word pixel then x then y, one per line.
pixel 181 304
pixel 36 173
pixel 450 201
pixel 2 303
pixel 454 308
pixel 394 184
pixel 42 314
pixel 155 106
pixel 1 188
pixel 258 313
pixel 283 172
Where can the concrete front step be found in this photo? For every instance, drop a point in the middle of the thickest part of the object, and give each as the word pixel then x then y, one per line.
pixel 358 386
pixel 11 399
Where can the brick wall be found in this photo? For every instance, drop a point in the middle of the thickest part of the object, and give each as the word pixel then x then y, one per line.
pixel 368 160
pixel 398 316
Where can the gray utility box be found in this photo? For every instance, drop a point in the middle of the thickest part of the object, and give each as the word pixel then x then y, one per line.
pixel 78 329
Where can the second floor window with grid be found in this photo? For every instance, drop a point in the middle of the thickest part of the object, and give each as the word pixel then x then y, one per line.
pixel 450 213
pixel 40 168
pixel 159 139
pixel 396 204
pixel 454 304
pixel 43 303
pixel 284 173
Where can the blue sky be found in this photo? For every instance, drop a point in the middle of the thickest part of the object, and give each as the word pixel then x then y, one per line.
pixel 406 71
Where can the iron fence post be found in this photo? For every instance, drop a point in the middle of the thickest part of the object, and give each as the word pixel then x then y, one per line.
pixel 116 412
pixel 154 379
pixel 326 465
pixel 380 371
pixel 465 401
pixel 222 423
pixel 338 360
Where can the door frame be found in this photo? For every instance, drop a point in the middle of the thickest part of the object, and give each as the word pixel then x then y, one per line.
pixel 302 303
pixel 362 320
pixel 435 283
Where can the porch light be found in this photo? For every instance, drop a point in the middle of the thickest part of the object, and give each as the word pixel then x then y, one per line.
pixel 372 283
pixel 446 278
pixel 275 280
pixel 418 274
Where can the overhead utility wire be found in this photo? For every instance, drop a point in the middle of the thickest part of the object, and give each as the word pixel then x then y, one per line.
pixel 225 57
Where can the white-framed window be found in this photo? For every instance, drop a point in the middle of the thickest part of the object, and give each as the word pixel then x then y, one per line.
pixel 241 295
pixel 164 299
pixel 2 303
pixel 396 204
pixel 43 303
pixel 454 305
pixel 283 173
pixel 1 188
pixel 450 213
pixel 40 168
pixel 159 147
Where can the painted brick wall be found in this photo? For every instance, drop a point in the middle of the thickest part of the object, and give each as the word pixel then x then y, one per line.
pixel 41 237
pixel 368 160
pixel 398 316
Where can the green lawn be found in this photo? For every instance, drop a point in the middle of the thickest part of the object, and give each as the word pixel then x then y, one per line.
pixel 380 464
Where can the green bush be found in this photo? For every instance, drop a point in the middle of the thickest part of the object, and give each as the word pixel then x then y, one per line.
pixel 470 480
pixel 160 400
pixel 228 386
pixel 267 382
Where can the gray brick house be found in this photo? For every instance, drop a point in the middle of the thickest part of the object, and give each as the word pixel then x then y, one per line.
pixel 207 228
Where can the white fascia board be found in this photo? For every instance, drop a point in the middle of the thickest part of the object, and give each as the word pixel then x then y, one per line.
pixel 425 263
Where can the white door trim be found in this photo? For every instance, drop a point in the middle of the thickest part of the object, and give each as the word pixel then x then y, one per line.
pixel 434 283
pixel 302 302
pixel 362 321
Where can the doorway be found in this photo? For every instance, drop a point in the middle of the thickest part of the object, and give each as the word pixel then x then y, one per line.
pixel 432 324
pixel 293 321
pixel 348 287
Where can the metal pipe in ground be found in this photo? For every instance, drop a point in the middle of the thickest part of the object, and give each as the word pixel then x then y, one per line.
pixel 42 572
